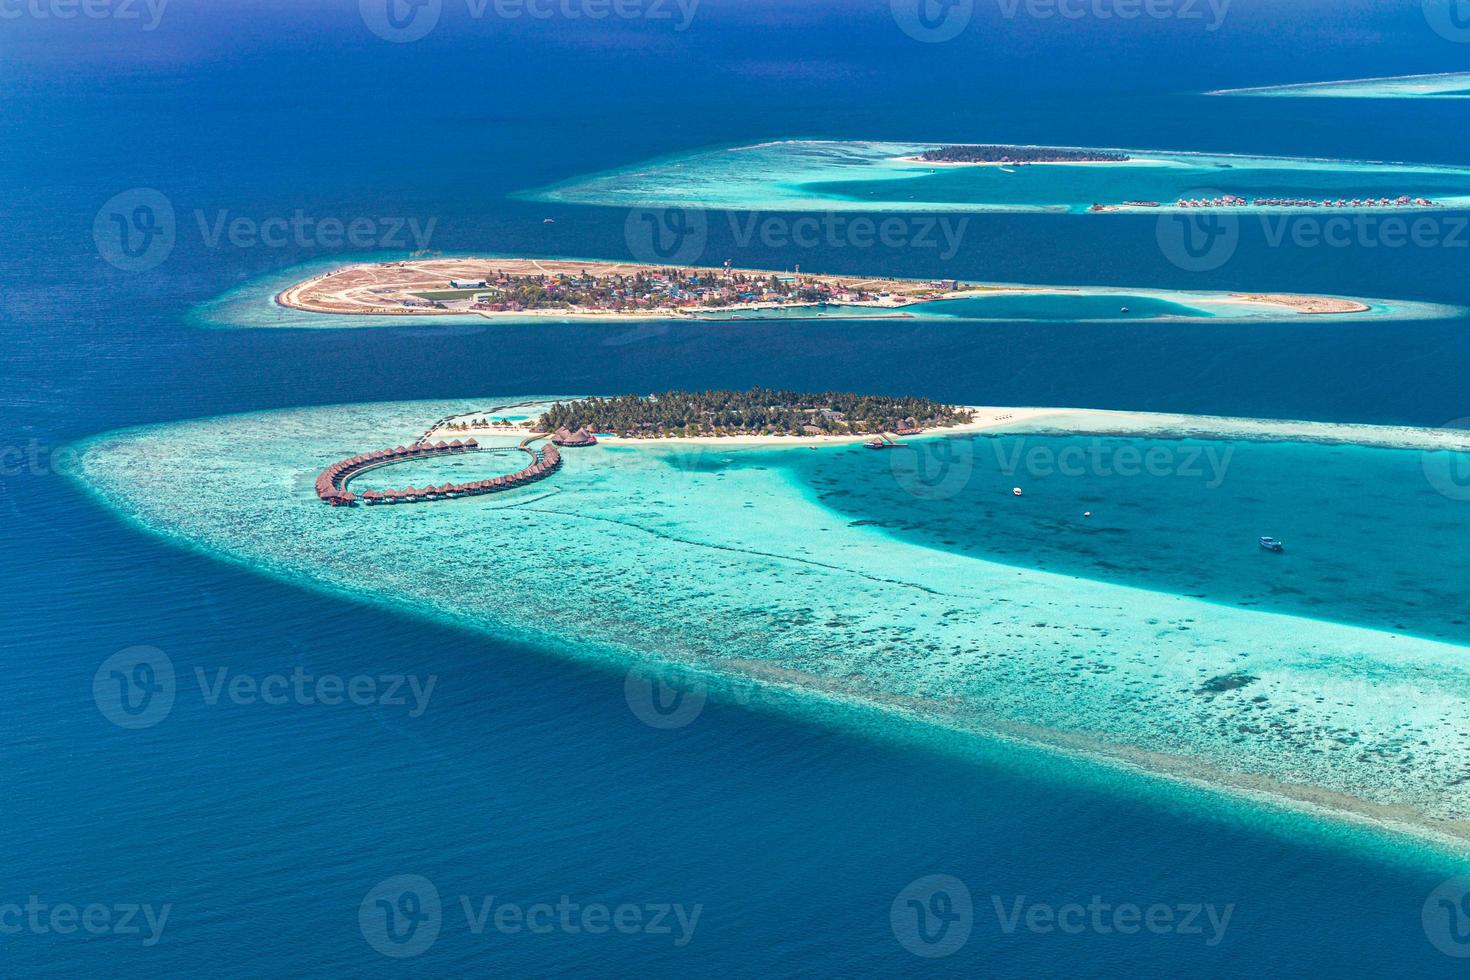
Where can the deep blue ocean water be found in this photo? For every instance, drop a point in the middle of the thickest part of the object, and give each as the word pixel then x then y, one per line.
pixel 529 779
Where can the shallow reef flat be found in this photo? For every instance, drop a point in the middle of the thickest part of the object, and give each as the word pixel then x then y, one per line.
pixel 813 175
pixel 723 561
pixel 1442 85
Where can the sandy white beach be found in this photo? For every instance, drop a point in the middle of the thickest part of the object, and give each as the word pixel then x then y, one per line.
pixel 1069 421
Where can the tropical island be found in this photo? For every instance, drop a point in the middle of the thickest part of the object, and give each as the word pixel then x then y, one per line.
pixel 1019 155
pixel 758 411
pixel 522 288
pixel 492 287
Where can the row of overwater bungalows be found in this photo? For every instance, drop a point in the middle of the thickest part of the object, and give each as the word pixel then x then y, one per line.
pixel 1232 201
pixel 331 485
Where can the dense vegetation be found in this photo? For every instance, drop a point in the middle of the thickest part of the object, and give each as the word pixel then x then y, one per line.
pixel 757 411
pixel 1019 154
pixel 658 289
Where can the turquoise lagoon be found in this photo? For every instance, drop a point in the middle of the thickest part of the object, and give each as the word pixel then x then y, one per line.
pixel 809 175
pixel 1081 305
pixel 1086 304
pixel 1153 634
pixel 1443 85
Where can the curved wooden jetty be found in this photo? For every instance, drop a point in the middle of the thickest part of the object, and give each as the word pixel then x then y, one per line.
pixel 331 485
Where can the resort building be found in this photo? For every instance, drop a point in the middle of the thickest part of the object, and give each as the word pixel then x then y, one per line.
pixel 565 437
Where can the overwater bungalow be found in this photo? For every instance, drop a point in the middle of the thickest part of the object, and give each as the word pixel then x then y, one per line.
pixel 564 437
pixel 331 483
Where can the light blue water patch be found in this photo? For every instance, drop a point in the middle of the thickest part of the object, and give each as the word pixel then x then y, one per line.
pixel 1062 306
pixel 1445 85
pixel 730 564
pixel 1177 176
pixel 1033 306
pixel 874 176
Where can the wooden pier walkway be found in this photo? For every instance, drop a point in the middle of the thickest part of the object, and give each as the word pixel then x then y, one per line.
pixel 331 485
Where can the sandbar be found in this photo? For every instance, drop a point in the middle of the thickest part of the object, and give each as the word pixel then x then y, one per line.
pixel 1438 85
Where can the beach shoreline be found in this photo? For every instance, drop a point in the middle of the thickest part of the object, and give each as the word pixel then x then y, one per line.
pixel 1042 421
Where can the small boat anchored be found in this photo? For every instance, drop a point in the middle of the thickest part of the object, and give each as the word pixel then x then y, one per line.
pixel 1271 544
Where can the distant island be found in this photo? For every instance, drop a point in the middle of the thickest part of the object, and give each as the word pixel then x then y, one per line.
pixel 930 178
pixel 1003 153
pixel 758 411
